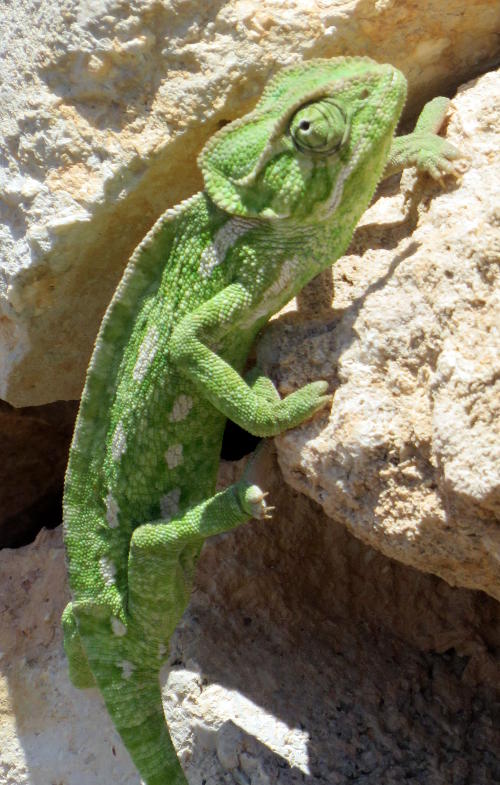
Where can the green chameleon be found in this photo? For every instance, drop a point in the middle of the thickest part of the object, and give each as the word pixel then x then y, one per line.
pixel 284 188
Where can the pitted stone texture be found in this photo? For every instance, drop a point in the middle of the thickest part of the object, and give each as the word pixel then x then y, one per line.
pixel 303 677
pixel 105 107
pixel 49 731
pixel 409 458
pixel 304 658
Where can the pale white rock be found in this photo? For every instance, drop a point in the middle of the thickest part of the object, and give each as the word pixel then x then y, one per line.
pixel 104 107
pixel 409 456
pixel 49 731
pixel 302 656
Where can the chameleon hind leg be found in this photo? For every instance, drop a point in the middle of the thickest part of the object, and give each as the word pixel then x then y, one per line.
pixel 162 561
pixel 127 675
pixel 163 555
pixel 126 658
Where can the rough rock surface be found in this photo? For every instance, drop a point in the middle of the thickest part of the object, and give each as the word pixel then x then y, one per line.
pixel 409 458
pixel 304 657
pixel 49 732
pixel 105 105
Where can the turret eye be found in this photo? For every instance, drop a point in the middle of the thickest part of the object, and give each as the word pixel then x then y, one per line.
pixel 319 128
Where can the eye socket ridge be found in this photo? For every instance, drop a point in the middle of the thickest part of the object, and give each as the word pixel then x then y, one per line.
pixel 319 128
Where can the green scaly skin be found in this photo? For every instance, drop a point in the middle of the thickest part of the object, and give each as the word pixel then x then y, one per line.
pixel 284 188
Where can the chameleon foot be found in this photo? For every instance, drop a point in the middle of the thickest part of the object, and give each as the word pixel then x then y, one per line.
pixel 253 501
pixel 257 471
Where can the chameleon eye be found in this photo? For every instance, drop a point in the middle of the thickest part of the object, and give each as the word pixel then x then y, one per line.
pixel 319 128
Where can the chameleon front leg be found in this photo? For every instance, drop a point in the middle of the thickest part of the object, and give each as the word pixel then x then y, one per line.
pixel 262 385
pixel 249 407
pixel 163 555
pixel 424 148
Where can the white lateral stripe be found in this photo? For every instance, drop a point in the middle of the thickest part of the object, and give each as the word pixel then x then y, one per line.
pixel 169 504
pixel 162 650
pixel 118 442
pixel 336 195
pixel 112 511
pixel 118 627
pixel 215 252
pixel 127 668
pixel 146 354
pixel 173 456
pixel 108 571
pixel 288 273
pixel 181 408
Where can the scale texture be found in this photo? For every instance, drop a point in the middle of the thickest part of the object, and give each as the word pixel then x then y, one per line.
pixel 284 188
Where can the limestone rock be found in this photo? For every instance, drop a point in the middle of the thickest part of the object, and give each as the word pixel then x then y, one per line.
pixel 49 732
pixel 409 457
pixel 304 657
pixel 302 660
pixel 105 107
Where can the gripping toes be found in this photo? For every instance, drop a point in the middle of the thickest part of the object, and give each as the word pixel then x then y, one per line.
pixel 303 403
pixel 262 386
pixel 253 501
pixel 257 472
pixel 437 157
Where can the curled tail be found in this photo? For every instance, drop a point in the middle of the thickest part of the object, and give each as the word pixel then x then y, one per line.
pixel 102 652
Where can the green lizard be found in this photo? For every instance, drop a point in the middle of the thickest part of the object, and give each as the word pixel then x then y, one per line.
pixel 284 188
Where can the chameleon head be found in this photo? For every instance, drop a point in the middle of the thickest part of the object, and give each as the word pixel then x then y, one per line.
pixel 314 127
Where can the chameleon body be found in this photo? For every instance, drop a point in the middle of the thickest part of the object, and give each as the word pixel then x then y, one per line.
pixel 284 188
